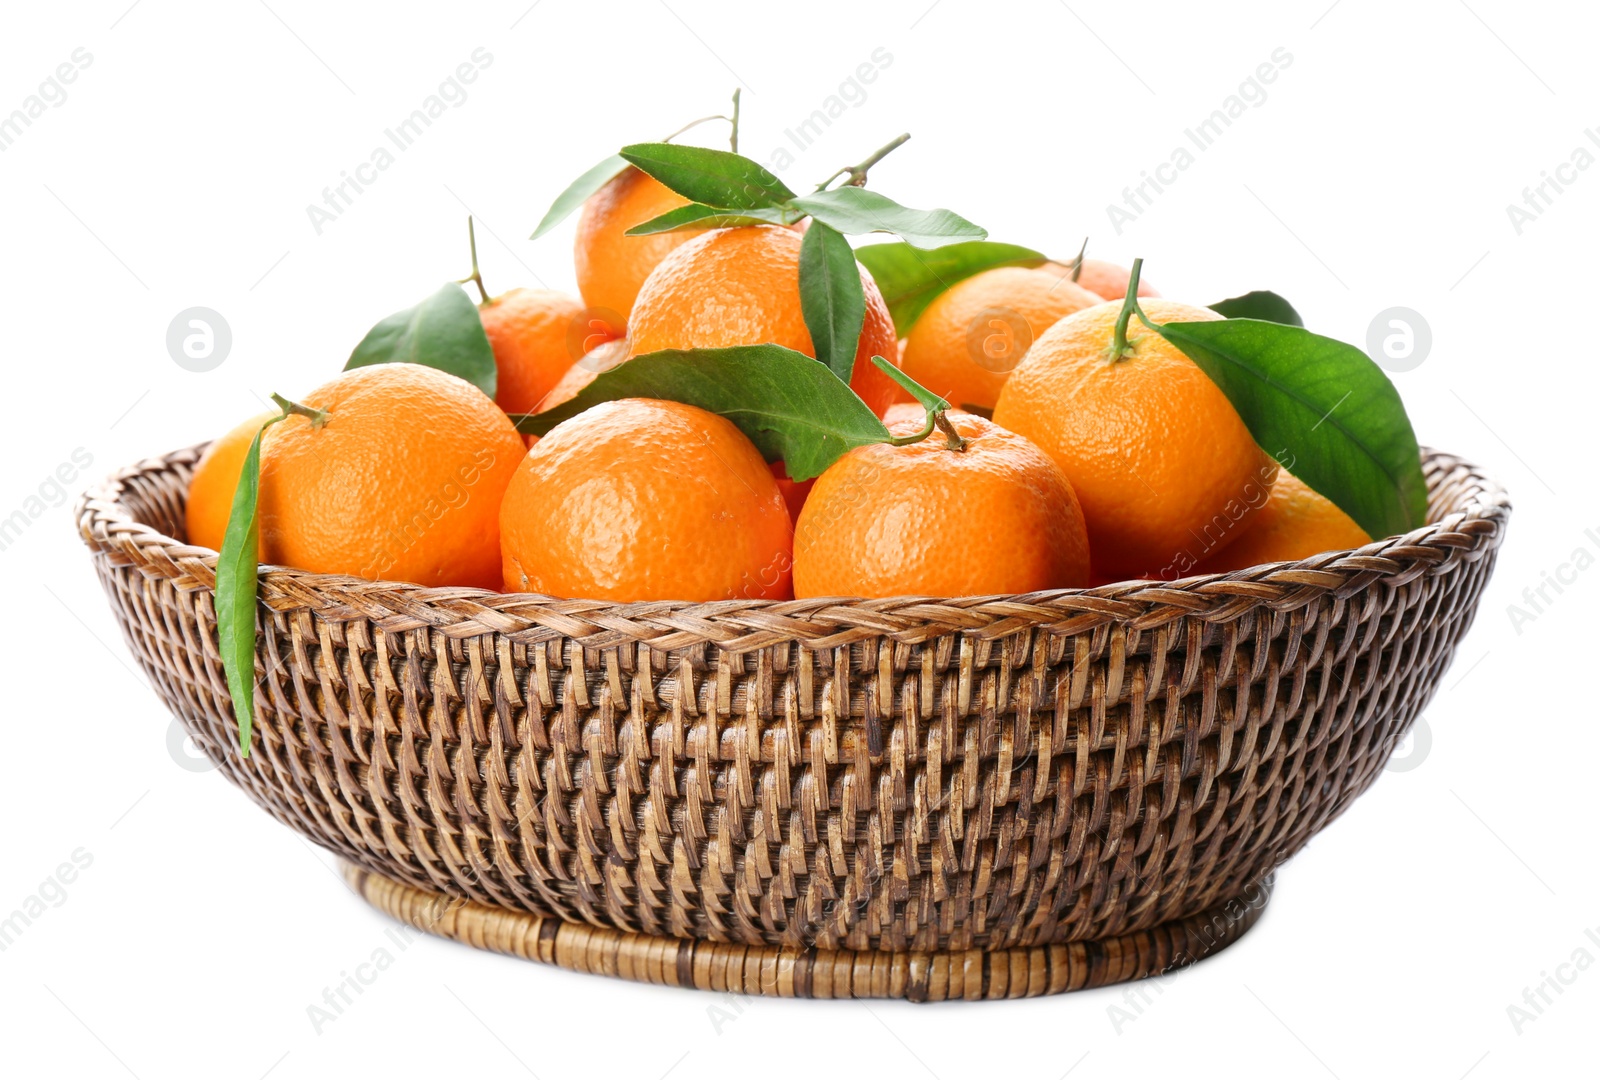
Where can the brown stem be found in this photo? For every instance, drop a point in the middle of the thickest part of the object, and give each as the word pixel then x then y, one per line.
pixel 952 437
pixel 936 419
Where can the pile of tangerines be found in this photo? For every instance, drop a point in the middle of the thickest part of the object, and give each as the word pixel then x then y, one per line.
pixel 1074 452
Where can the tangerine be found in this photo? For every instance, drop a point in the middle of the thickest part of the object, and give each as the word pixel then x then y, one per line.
pixel 923 519
pixel 536 335
pixel 1106 279
pixel 216 476
pixel 401 478
pixel 601 358
pixel 641 499
pixel 1296 523
pixel 974 333
pixel 795 492
pixel 1161 462
pixel 610 265
pixel 741 286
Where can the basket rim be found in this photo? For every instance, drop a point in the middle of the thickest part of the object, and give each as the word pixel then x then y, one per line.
pixel 1470 527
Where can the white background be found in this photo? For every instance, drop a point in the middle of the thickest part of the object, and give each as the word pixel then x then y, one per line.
pixel 1376 173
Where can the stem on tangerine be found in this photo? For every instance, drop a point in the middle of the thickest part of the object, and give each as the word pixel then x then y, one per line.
pixel 935 419
pixel 318 417
pixel 1073 266
pixel 1121 346
pixel 952 437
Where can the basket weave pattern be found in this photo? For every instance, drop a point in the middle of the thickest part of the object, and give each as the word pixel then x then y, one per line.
pixel 907 775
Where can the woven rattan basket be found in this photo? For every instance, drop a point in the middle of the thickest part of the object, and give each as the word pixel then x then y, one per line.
pixel 972 798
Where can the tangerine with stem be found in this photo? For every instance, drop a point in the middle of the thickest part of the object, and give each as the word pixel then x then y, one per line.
pixel 1166 470
pixel 393 471
pixel 971 509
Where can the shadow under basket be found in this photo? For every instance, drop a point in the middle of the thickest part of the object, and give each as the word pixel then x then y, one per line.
pixel 981 797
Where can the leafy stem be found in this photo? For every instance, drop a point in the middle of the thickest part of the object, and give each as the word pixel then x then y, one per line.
pixel 927 429
pixel 936 418
pixel 1121 346
pixel 733 135
pixel 934 405
pixel 476 277
pixel 318 417
pixel 858 173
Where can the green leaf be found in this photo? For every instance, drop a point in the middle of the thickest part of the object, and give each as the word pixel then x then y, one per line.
pixel 1329 414
pixel 910 279
pixel 713 177
pixel 794 409
pixel 578 193
pixel 856 210
pixel 1267 306
pixel 701 216
pixel 832 300
pixel 235 600
pixel 442 332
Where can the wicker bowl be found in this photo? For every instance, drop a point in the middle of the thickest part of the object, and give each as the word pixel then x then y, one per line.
pixel 926 798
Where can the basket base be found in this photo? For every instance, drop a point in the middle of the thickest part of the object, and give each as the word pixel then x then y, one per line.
pixel 970 974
